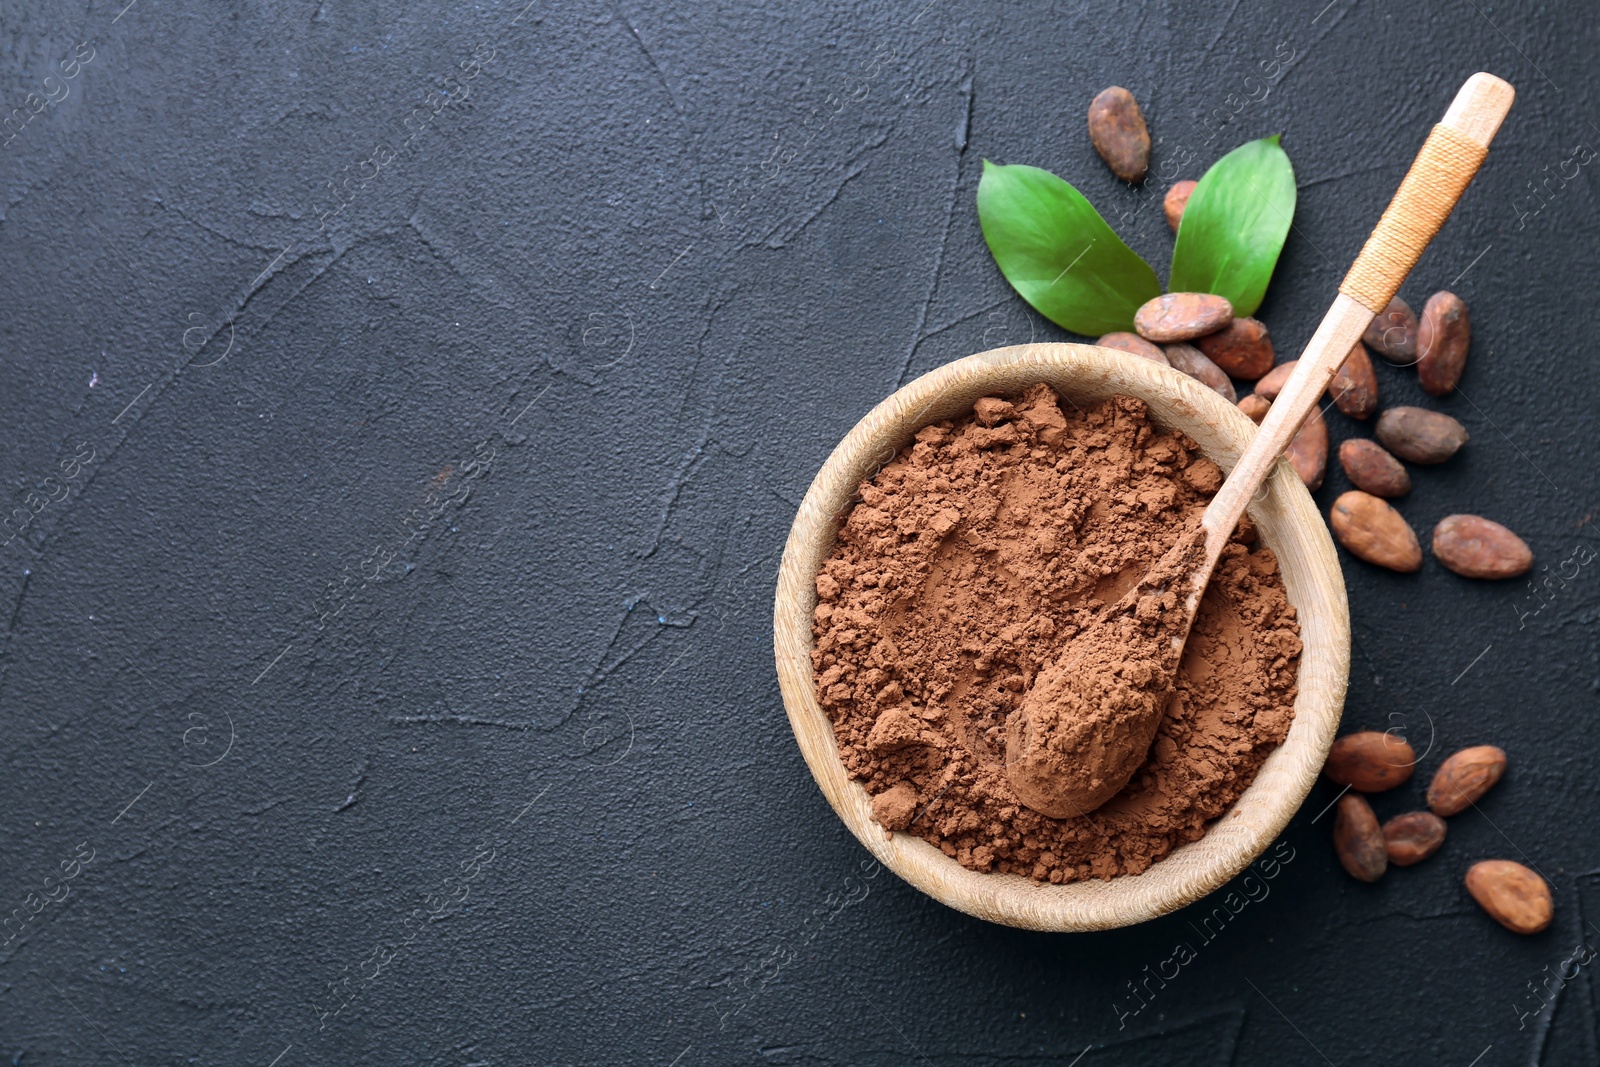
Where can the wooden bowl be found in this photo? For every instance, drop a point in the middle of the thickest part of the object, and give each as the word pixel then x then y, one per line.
pixel 1289 523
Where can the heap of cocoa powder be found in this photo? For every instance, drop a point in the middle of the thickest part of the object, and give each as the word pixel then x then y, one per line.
pixel 966 566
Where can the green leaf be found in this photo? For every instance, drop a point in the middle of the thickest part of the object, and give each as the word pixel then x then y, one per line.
pixel 1056 250
pixel 1235 225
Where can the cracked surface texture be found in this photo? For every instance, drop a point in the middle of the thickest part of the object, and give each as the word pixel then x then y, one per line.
pixel 432 446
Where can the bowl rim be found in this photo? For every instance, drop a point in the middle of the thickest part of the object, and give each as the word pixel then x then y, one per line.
pixel 1288 521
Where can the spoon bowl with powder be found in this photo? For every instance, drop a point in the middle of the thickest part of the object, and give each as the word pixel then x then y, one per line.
pixel 1087 724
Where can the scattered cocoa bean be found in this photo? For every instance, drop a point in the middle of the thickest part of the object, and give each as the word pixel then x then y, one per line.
pixel 1134 344
pixel 1372 530
pixel 1358 839
pixel 1462 779
pixel 1119 134
pixel 1370 761
pixel 1393 333
pixel 1176 200
pixel 1418 435
pixel 1256 407
pixel 1181 316
pixel 1354 389
pixel 1273 381
pixel 1243 348
pixel 1194 363
pixel 1308 452
pixel 1514 896
pixel 1475 547
pixel 1373 470
pixel 1413 837
pixel 1443 334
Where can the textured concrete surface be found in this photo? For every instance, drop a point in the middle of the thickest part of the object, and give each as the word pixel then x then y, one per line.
pixel 386 670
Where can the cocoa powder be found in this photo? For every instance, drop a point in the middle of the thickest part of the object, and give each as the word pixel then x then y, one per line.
pixel 1085 726
pixel 969 562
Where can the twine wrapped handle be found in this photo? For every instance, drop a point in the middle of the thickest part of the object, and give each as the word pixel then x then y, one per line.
pixel 1448 160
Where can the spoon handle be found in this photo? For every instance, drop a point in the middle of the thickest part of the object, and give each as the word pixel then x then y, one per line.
pixel 1448 160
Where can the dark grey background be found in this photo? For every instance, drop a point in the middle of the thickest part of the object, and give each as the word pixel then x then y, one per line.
pixel 537 407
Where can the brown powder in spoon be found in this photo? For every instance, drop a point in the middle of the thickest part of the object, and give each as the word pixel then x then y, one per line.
pixel 1087 721
pixel 970 562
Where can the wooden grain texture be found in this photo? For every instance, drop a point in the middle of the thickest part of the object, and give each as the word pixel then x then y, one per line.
pixel 1480 107
pixel 1289 523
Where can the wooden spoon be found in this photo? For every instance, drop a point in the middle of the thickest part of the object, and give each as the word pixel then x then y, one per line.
pixel 1086 725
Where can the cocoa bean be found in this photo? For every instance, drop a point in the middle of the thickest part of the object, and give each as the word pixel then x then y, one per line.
pixel 1243 348
pixel 1462 779
pixel 1181 316
pixel 1308 451
pixel 1370 761
pixel 1134 344
pixel 1413 837
pixel 1119 134
pixel 1475 547
pixel 1273 381
pixel 1256 407
pixel 1354 389
pixel 1393 333
pixel 1176 200
pixel 1372 470
pixel 1514 896
pixel 1372 530
pixel 1358 839
pixel 1194 363
pixel 1418 435
pixel 1443 335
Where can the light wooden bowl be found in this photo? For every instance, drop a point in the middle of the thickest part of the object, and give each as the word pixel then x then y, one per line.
pixel 1289 523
